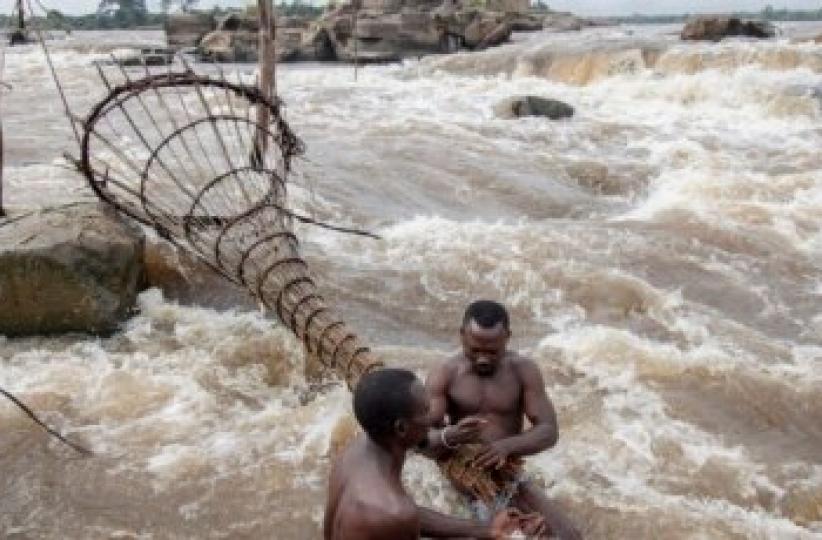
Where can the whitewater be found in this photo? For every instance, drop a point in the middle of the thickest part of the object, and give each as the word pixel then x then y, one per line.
pixel 660 254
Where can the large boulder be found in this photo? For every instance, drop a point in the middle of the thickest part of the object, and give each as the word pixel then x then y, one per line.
pixel 237 37
pixel 74 268
pixel 187 29
pixel 519 106
pixel 718 28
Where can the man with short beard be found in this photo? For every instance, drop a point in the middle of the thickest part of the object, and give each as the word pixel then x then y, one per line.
pixel 485 392
pixel 366 498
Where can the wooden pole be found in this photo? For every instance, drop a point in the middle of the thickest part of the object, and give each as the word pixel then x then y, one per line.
pixel 2 148
pixel 21 17
pixel 355 12
pixel 268 86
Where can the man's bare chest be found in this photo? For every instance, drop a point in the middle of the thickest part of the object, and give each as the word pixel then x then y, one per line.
pixel 499 396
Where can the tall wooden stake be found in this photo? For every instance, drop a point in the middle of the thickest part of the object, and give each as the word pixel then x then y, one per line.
pixel 2 149
pixel 356 5
pixel 267 82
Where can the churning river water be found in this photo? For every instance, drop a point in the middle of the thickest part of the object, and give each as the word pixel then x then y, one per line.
pixel 660 254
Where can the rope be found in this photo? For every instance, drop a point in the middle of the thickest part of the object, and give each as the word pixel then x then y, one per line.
pixel 53 71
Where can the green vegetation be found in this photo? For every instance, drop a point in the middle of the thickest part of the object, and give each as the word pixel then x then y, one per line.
pixel 767 14
pixel 117 14
pixel 298 8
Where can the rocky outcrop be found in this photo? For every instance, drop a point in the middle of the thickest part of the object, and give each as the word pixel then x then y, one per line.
pixel 187 29
pixel 236 39
pixel 364 36
pixel 517 107
pixel 74 268
pixel 718 28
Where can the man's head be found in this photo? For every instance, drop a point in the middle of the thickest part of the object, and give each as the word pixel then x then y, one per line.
pixel 392 407
pixel 485 332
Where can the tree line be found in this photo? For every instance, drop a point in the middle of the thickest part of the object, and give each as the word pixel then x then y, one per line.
pixel 121 14
pixel 767 14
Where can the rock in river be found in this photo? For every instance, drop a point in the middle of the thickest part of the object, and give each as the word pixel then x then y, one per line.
pixel 70 268
pixel 519 106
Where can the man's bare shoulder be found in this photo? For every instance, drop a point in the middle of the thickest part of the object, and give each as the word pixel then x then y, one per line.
pixel 370 513
pixel 446 369
pixel 525 368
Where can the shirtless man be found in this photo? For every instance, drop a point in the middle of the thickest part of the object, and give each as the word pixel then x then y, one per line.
pixel 366 498
pixel 484 393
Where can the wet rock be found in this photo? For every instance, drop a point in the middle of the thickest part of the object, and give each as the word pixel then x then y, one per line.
pixel 228 46
pixel 717 28
pixel 519 106
pixel 187 29
pixel 74 268
pixel 236 39
pixel 186 279
pixel 525 22
pixel 378 32
pixel 498 35
pixel 146 57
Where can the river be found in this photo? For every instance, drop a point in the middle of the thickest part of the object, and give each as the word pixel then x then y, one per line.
pixel 660 254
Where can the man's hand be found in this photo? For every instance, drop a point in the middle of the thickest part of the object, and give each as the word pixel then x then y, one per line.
pixel 465 431
pixel 511 521
pixel 493 454
pixel 505 523
pixel 533 525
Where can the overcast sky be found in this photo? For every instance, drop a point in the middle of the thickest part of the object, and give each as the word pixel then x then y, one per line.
pixel 583 7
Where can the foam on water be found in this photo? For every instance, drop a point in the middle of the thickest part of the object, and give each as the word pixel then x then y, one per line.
pixel 660 255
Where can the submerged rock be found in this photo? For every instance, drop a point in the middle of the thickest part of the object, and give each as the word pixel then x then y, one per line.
pixel 519 106
pixel 717 28
pixel 74 268
pixel 145 57
pixel 184 278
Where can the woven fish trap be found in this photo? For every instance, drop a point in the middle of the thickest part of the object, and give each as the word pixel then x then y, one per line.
pixel 205 161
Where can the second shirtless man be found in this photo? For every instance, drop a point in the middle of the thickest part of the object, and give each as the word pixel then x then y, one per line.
pixel 480 399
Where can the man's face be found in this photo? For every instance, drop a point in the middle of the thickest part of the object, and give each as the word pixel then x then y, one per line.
pixel 484 347
pixel 415 428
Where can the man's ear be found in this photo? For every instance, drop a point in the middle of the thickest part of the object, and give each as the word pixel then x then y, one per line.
pixel 401 427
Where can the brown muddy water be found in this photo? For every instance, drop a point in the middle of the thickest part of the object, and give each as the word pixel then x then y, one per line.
pixel 660 254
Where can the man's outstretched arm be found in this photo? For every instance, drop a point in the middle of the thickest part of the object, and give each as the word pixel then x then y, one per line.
pixel 436 525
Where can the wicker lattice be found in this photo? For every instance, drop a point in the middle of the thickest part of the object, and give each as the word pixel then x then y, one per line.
pixel 186 155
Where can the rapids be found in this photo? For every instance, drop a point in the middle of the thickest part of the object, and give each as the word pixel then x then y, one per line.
pixel 660 254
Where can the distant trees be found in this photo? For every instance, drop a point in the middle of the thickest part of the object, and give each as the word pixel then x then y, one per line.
pixel 298 8
pixel 122 13
pixel 185 5
pixel 768 14
pixel 540 5
pixel 771 14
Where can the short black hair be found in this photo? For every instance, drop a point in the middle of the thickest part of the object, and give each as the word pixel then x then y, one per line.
pixel 486 313
pixel 381 398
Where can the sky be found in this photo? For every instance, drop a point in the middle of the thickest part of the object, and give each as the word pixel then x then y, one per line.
pixel 581 7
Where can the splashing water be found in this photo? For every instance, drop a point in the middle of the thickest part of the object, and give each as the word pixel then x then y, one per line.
pixel 660 254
